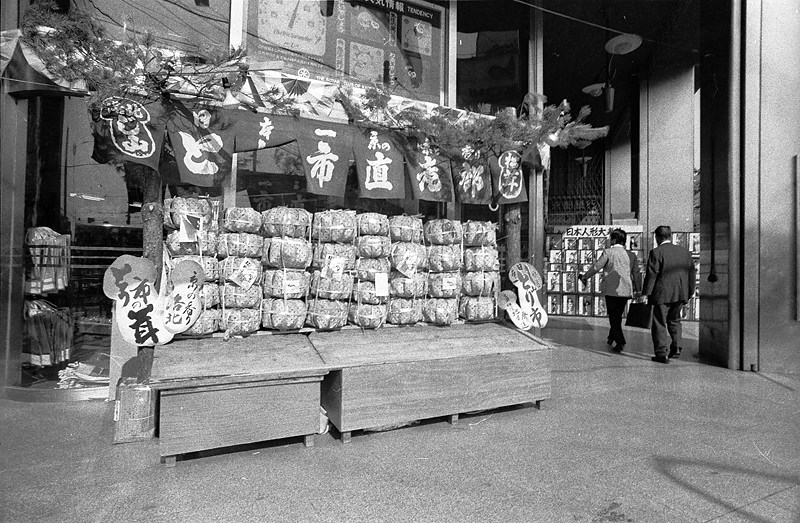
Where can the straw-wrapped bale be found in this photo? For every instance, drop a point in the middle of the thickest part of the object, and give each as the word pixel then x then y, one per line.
pixel 440 311
pixel 405 229
pixel 335 288
pixel 241 219
pixel 288 222
pixel 481 259
pixel 366 268
pixel 443 232
pixel 199 209
pixel 408 257
pixel 207 323
pixel 287 253
pixel 404 311
pixel 327 314
pixel 342 255
pixel 477 234
pixel 367 316
pixel 480 283
pixel 373 246
pixel 236 297
pixel 283 314
pixel 402 286
pixel 239 322
pixel 364 292
pixel 244 272
pixel 206 244
pixel 444 258
pixel 372 224
pixel 336 226
pixel 285 283
pixel 477 308
pixel 444 284
pixel 242 244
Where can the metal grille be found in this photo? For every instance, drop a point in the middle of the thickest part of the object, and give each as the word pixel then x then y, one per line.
pixel 575 188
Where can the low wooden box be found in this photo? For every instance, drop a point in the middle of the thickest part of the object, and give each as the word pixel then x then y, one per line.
pixel 214 393
pixel 392 376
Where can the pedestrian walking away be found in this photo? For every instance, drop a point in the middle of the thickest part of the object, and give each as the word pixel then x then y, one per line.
pixel 620 282
pixel 669 283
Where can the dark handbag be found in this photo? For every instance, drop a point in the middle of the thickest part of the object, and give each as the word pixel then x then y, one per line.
pixel 640 315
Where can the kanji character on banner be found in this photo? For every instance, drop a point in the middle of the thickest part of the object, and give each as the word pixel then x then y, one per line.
pixel 379 165
pixel 473 181
pixel 129 130
pixel 429 174
pixel 508 181
pixel 325 150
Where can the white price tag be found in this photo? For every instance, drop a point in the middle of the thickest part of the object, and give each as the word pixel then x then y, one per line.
pixel 381 284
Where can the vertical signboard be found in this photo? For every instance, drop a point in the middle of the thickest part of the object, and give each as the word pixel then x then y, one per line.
pixel 392 43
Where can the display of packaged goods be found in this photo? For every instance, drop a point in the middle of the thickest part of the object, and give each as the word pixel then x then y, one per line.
pixel 404 311
pixel 283 314
pixel 287 253
pixel 209 295
pixel 408 258
pixel 481 259
pixel 202 214
pixel 372 224
pixel 236 297
pixel 239 322
pixel 443 232
pixel 440 311
pixel 477 308
pixel 244 272
pixel 288 222
pixel 335 288
pixel 477 234
pixel 405 229
pixel 210 265
pixel 480 283
pixel 444 284
pixel 373 246
pixel 207 323
pixel 327 314
pixel 243 244
pixel 241 219
pixel 285 283
pixel 402 286
pixel 364 292
pixel 444 258
pixel 205 244
pixel 367 316
pixel 336 226
pixel 366 268
pixel 337 256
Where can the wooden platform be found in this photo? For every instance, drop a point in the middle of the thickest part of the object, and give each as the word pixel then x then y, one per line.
pixel 391 376
pixel 216 393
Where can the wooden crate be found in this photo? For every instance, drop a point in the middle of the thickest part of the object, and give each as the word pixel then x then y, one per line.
pixel 392 376
pixel 217 394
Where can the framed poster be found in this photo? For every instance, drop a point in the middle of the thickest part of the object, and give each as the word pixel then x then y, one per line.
pixel 399 45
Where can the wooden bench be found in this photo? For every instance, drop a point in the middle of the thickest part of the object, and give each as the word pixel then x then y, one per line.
pixel 216 393
pixel 396 375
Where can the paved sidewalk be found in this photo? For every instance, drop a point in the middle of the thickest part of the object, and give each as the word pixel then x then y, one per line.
pixel 623 439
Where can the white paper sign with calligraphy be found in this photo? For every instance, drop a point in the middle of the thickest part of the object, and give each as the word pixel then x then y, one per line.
pixel 144 317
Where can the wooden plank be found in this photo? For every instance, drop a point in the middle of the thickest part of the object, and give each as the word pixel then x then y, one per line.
pixel 234 416
pixel 353 348
pixel 376 395
pixel 264 356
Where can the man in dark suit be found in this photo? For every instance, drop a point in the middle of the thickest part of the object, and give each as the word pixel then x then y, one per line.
pixel 668 283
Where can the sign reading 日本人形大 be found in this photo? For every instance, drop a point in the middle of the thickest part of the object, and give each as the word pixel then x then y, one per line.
pixel 395 43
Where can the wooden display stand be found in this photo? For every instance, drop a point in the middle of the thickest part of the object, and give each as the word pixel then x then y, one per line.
pixel 395 375
pixel 216 393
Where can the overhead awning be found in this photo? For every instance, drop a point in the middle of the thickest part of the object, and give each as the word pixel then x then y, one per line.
pixel 26 75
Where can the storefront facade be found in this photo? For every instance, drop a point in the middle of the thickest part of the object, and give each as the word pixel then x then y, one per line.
pixel 733 333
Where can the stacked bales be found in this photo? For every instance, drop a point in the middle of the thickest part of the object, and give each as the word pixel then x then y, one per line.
pixel 481 277
pixel 371 285
pixel 286 255
pixel 333 234
pixel 240 247
pixel 408 281
pixel 444 239
pixel 191 226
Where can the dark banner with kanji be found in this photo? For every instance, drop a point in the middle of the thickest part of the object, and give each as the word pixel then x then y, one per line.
pixel 203 139
pixel 473 181
pixel 508 182
pixel 429 174
pixel 380 166
pixel 325 151
pixel 258 130
pixel 129 130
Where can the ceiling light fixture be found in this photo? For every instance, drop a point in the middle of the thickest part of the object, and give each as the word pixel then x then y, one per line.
pixel 623 44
